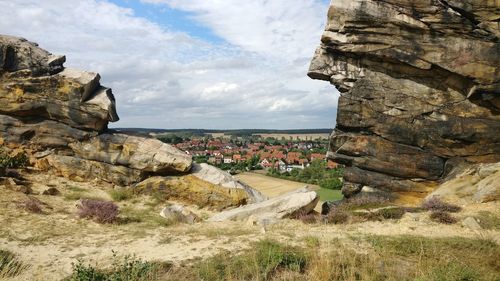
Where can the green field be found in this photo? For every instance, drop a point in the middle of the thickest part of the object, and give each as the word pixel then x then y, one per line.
pixel 329 194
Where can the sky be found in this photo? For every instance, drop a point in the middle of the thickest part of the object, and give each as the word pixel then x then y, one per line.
pixel 211 64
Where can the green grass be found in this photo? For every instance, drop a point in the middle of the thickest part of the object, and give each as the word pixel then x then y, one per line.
pixel 329 194
pixel 126 268
pixel 121 194
pixel 488 220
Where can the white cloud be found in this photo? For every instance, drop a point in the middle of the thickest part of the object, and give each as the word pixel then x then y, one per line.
pixel 166 78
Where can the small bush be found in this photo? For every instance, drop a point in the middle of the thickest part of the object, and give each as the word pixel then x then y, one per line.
pixel 307 218
pixel 31 205
pixel 392 213
pixel 10 265
pixel 17 161
pixel 336 216
pixel 436 204
pixel 442 217
pixel 121 194
pixel 98 210
pixel 364 202
pixel 128 268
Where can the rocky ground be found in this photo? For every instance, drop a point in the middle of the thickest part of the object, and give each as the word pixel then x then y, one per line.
pixel 51 241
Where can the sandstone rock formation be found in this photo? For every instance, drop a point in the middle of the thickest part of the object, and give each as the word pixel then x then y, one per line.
pixel 420 89
pixel 60 116
pixel 283 206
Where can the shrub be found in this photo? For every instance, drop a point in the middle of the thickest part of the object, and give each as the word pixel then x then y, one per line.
pixel 336 216
pixel 331 183
pixel 98 210
pixel 128 268
pixel 17 161
pixel 436 204
pixel 10 265
pixel 392 213
pixel 364 202
pixel 31 205
pixel 442 217
pixel 309 218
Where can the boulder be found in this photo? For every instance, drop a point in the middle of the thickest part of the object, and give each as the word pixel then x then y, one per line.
pixel 302 200
pixel 145 154
pixel 179 214
pixel 216 176
pixel 192 190
pixel 471 223
pixel 420 86
pixel 51 191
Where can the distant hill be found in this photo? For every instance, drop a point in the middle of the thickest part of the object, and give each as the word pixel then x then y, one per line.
pixel 227 132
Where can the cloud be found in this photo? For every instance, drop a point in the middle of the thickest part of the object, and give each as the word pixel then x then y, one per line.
pixel 169 79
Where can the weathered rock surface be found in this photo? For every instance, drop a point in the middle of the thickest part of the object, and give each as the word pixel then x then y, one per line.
pixel 420 89
pixel 81 170
pixel 301 200
pixel 34 83
pixel 479 183
pixel 179 214
pixel 216 176
pixel 192 190
pixel 148 155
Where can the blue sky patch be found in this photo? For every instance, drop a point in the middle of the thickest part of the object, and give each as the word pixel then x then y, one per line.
pixel 171 19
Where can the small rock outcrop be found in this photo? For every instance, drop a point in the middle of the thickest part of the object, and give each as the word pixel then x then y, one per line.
pixel 179 214
pixel 60 117
pixel 420 90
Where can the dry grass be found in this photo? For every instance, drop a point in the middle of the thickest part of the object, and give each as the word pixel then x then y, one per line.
pixel 385 258
pixel 31 205
pixel 10 266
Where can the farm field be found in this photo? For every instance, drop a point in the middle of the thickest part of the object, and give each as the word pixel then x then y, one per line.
pixel 273 187
pixel 295 136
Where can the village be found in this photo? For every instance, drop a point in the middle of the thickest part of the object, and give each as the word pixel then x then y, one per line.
pixel 255 153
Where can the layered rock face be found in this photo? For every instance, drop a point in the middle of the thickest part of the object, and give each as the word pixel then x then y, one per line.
pixel 60 117
pixel 420 89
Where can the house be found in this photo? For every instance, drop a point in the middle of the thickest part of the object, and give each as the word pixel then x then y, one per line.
pixel 265 163
pixel 228 160
pixel 237 158
pixel 331 165
pixel 293 157
pixel 316 156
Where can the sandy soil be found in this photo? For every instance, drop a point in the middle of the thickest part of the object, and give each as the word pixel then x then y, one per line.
pixel 50 242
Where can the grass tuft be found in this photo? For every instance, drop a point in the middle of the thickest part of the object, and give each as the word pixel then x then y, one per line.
pixel 10 266
pixel 121 194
